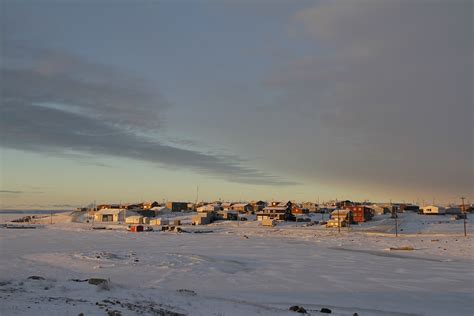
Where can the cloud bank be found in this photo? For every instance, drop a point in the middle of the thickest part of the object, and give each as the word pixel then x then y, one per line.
pixel 389 90
pixel 54 102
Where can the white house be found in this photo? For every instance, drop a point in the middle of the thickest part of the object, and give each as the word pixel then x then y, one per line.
pixel 379 210
pixel 160 210
pixel 113 215
pixel 208 208
pixel 134 219
pixel 433 209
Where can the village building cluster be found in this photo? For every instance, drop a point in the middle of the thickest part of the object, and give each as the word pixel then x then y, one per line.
pixel 339 213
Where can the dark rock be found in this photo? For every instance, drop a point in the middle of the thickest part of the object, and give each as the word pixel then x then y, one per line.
pixel 301 310
pixel 79 280
pixel 80 314
pixel 294 308
pixel 35 277
pixel 114 313
pixel 355 314
pixel 187 292
pixel 97 281
pixel 325 310
pixel 298 309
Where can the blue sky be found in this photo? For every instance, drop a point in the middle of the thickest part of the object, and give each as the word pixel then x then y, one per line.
pixel 145 100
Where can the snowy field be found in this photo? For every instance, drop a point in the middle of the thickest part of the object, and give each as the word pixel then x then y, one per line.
pixel 230 268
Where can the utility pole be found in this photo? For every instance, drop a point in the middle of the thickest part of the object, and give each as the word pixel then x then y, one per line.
pixel 338 221
pixel 349 218
pixel 396 224
pixel 94 210
pixel 395 215
pixel 464 216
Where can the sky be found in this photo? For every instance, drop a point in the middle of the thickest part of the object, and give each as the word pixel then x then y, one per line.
pixel 130 101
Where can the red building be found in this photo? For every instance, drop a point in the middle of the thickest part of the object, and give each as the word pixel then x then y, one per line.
pixel 360 213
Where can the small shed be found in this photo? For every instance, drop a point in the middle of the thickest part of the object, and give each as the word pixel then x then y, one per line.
pixel 202 218
pixel 137 228
pixel 268 222
pixel 159 221
pixel 176 222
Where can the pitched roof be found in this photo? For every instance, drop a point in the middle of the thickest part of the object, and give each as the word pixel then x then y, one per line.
pixel 240 204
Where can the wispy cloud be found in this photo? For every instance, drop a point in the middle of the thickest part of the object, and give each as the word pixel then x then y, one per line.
pixel 57 103
pixel 10 192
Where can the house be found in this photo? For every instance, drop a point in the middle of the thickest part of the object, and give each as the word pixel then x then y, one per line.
pixel 135 206
pixel 340 218
pixel 280 211
pixel 410 208
pixel 453 210
pixel 154 204
pixel 203 218
pixel 208 208
pixel 113 215
pixel 177 206
pixel 379 210
pixel 298 210
pixel 108 206
pixel 134 219
pixel 145 212
pixel 226 206
pixel 227 215
pixel 160 210
pixel 344 204
pixel 242 207
pixel 433 209
pixel 360 213
pixel 258 205
pixel 345 214
pixel 311 206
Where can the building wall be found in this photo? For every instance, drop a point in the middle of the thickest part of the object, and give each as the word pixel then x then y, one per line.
pixel 177 206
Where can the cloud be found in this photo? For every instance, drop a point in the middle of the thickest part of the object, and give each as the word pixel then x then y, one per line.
pixel 389 91
pixel 56 103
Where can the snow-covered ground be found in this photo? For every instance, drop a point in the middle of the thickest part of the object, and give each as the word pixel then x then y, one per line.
pixel 239 268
